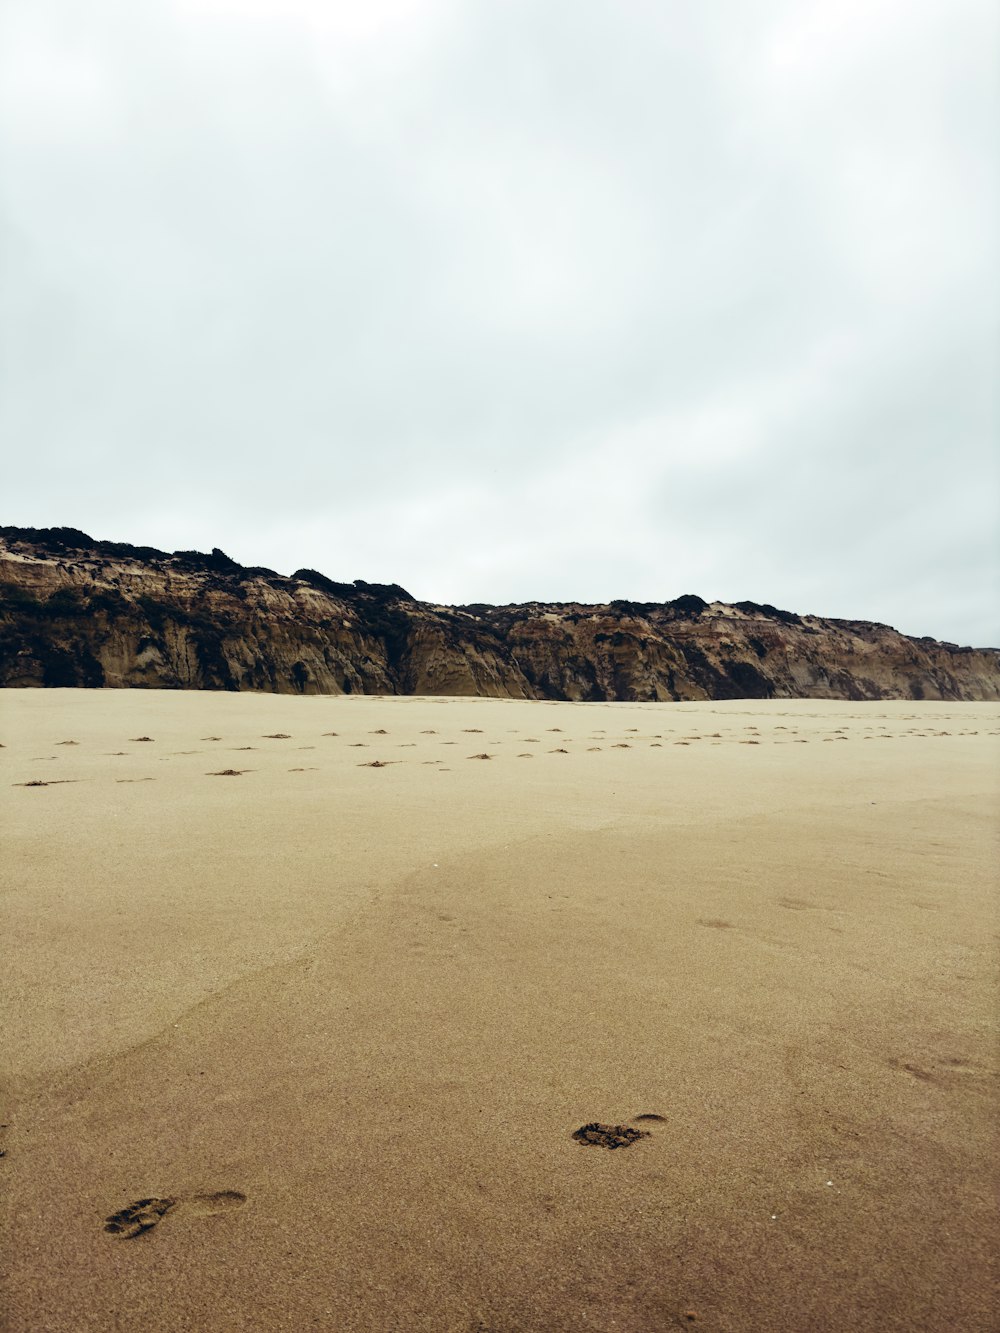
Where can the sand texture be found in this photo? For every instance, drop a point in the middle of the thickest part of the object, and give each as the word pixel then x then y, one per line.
pixel 380 1013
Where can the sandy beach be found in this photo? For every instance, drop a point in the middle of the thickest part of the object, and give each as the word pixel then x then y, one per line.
pixel 327 985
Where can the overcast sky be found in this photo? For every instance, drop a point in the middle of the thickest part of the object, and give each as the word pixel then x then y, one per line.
pixel 515 299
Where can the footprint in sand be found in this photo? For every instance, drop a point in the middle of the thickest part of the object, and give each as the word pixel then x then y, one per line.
pixel 942 1070
pixel 211 738
pixel 229 773
pixel 596 1135
pixel 144 1214
pixel 67 742
pixel 484 755
pixel 277 736
pixel 140 738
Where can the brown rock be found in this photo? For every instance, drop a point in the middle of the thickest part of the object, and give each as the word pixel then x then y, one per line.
pixel 74 611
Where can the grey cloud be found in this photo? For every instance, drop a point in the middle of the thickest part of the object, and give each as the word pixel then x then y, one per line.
pixel 512 301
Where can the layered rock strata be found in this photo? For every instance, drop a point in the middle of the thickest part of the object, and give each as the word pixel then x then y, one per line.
pixel 80 612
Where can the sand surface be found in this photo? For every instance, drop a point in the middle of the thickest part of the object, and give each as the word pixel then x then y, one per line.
pixel 340 1022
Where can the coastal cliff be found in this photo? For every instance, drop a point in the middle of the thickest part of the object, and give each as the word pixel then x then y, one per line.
pixel 79 612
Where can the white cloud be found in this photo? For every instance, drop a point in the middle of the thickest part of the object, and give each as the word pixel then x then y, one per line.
pixel 508 301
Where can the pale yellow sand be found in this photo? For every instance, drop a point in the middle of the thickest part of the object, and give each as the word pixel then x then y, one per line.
pixel 344 1020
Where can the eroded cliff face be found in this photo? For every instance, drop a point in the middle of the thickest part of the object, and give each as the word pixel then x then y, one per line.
pixel 77 612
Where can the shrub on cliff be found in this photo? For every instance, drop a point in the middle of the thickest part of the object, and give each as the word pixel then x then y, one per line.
pixel 688 606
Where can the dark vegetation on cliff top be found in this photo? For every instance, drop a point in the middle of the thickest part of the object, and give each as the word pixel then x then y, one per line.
pixel 71 541
pixel 111 613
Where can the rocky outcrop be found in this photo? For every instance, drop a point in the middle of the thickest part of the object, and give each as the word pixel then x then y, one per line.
pixel 80 612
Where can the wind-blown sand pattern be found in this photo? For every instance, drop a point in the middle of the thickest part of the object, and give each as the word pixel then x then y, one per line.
pixel 692 1022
